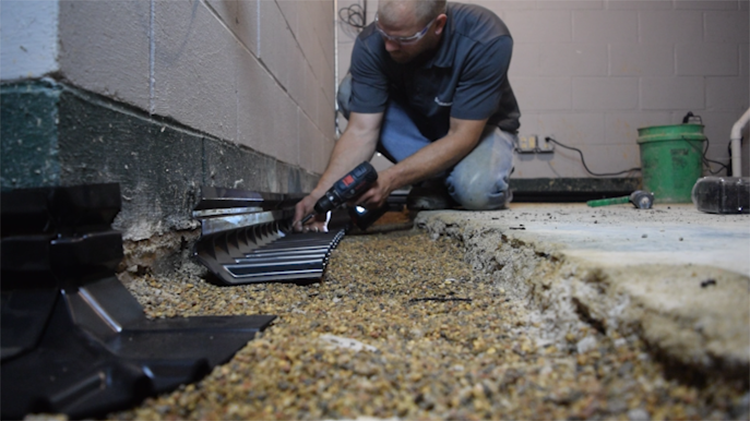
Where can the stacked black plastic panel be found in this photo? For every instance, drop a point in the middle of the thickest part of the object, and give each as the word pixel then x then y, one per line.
pixel 247 237
pixel 74 340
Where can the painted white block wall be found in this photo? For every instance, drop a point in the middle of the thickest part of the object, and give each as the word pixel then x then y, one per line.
pixel 661 63
pixel 28 38
pixel 260 72
pixel 255 72
pixel 590 73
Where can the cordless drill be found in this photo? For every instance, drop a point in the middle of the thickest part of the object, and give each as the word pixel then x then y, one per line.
pixel 353 184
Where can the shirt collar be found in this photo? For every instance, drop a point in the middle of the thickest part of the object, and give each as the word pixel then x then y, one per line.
pixel 445 53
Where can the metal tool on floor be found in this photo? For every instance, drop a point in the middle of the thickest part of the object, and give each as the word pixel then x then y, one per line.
pixel 74 340
pixel 639 198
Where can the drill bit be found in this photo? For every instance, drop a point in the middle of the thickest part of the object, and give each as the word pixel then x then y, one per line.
pixel 307 218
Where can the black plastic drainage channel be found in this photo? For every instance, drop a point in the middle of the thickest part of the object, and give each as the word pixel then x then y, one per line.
pixel 74 340
pixel 247 237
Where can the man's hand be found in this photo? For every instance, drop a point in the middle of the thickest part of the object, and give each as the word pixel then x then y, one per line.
pixel 357 144
pixel 305 207
pixel 376 196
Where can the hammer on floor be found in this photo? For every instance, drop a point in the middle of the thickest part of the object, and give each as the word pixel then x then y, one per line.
pixel 639 198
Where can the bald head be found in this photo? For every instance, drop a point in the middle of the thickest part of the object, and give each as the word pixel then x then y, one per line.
pixel 394 12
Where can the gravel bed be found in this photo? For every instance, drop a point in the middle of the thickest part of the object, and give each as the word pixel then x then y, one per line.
pixel 401 327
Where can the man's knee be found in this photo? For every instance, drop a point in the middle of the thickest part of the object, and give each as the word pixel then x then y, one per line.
pixel 477 194
pixel 480 180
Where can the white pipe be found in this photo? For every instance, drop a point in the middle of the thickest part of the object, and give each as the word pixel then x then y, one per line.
pixel 736 145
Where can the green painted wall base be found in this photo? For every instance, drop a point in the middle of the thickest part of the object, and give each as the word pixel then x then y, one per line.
pixel 55 135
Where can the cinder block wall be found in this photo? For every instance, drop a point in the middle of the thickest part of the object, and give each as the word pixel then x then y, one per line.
pixel 591 72
pixel 255 72
pixel 165 96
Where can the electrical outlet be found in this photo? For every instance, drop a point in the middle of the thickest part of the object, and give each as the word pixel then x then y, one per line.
pixel 526 144
pixel 544 146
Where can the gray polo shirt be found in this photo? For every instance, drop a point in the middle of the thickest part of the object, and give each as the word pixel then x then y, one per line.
pixel 465 78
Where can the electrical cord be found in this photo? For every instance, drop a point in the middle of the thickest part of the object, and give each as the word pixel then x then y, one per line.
pixel 690 117
pixel 704 159
pixel 549 139
pixel 707 162
pixel 356 15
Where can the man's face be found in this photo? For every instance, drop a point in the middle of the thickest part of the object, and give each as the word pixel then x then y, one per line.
pixel 407 39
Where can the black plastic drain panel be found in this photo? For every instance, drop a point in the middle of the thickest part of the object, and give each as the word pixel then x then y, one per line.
pixel 247 237
pixel 74 340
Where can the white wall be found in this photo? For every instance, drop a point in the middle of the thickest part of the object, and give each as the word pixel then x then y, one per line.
pixel 261 72
pixel 255 72
pixel 28 38
pixel 591 72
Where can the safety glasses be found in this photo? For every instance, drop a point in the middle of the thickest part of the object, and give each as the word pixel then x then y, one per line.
pixel 403 40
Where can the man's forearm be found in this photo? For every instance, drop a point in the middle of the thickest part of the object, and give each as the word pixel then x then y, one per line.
pixel 346 155
pixel 356 144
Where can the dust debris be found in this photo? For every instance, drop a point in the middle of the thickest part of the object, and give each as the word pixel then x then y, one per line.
pixel 708 283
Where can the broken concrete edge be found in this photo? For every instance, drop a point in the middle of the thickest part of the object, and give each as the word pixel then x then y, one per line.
pixel 55 134
pixel 696 339
pixel 168 254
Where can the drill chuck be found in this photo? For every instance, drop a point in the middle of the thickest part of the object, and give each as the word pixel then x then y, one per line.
pixel 325 203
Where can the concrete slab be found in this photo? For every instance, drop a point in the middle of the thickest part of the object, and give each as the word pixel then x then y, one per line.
pixel 673 276
pixel 625 236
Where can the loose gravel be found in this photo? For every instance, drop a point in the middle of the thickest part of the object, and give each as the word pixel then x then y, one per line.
pixel 402 327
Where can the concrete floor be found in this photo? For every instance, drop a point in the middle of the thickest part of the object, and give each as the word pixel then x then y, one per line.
pixel 622 235
pixel 676 277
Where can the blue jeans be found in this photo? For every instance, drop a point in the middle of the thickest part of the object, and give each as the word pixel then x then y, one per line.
pixel 479 181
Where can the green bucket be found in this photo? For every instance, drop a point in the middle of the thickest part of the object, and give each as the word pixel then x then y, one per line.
pixel 671 160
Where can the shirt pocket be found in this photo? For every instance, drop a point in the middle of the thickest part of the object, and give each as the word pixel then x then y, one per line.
pixel 443 102
pixel 443 96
